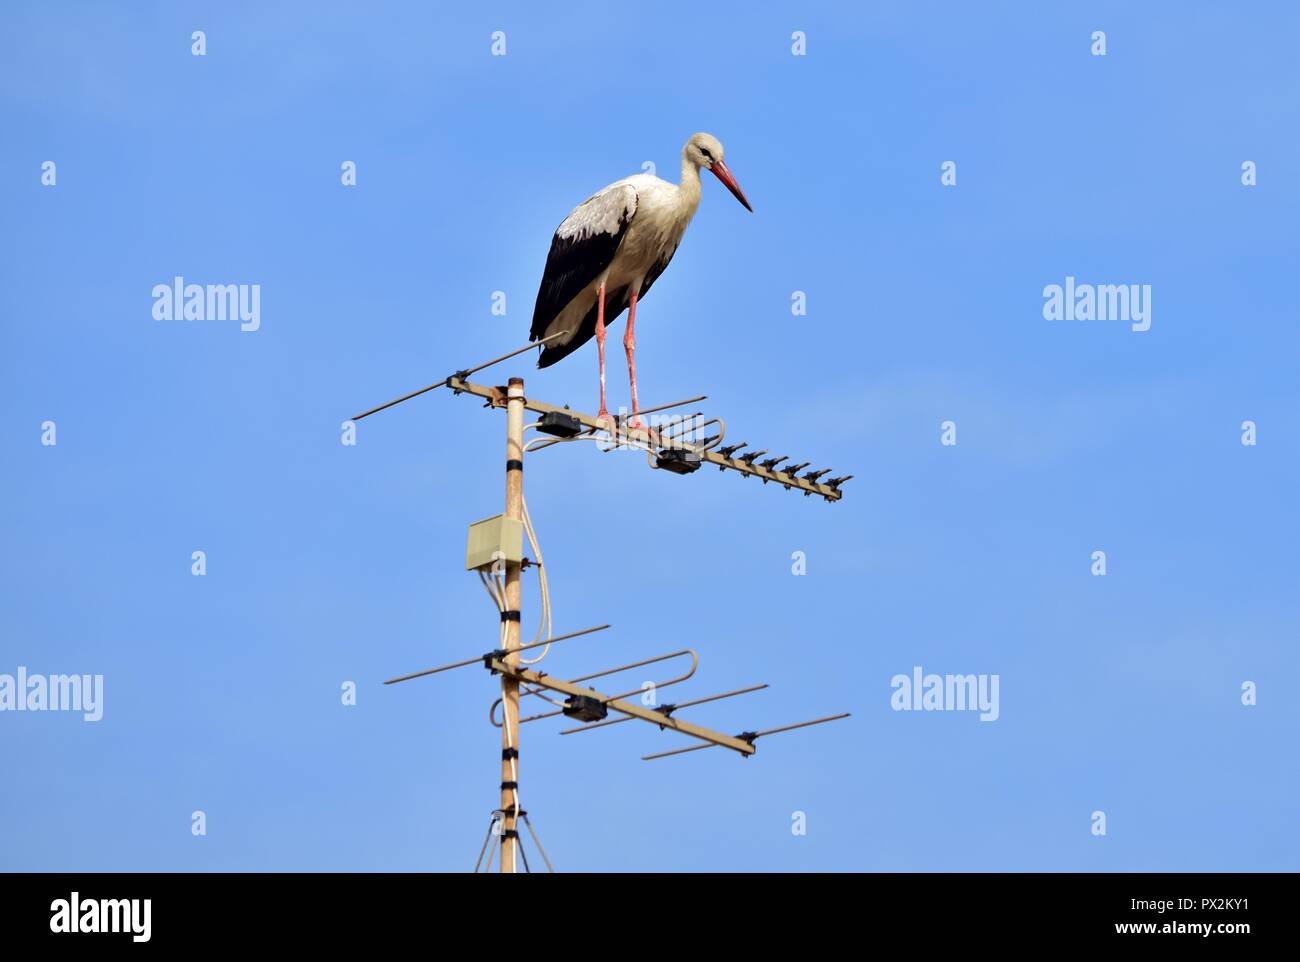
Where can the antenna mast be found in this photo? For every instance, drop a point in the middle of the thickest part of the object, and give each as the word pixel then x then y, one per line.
pixel 511 619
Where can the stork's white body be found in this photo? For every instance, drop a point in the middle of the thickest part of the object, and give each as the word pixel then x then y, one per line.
pixel 661 212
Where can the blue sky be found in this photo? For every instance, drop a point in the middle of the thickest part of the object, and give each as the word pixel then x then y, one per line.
pixel 327 563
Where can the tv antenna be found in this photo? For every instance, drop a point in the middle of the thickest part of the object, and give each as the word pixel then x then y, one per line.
pixel 495 551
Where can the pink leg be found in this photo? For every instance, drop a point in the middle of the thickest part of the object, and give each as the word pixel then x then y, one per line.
pixel 600 347
pixel 629 345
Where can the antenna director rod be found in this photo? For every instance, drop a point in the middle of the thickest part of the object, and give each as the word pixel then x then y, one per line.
pixel 465 373
pixel 479 659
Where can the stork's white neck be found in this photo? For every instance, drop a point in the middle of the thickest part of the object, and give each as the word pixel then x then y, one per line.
pixel 688 191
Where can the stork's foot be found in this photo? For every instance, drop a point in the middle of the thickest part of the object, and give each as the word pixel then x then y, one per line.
pixel 634 423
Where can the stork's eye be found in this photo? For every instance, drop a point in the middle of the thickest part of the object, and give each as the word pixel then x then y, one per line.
pixel 705 152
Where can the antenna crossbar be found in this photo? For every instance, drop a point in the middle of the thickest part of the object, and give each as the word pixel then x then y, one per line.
pixel 621 433
pixel 625 707
pixel 665 709
pixel 685 676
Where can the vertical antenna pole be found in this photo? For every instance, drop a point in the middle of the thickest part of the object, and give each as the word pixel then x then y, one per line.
pixel 510 686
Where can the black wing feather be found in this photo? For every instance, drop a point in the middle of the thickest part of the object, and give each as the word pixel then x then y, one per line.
pixel 576 260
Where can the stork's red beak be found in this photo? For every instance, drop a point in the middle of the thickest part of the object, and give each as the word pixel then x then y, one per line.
pixel 723 174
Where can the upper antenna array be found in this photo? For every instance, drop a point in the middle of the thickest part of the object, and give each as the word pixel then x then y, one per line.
pixel 678 445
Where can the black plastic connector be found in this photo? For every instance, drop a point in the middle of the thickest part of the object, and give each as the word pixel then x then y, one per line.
pixel 677 461
pixel 585 708
pixel 560 425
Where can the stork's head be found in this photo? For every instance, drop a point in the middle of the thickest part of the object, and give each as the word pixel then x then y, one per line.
pixel 704 150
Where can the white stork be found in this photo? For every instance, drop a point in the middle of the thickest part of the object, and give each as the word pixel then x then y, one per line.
pixel 618 240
